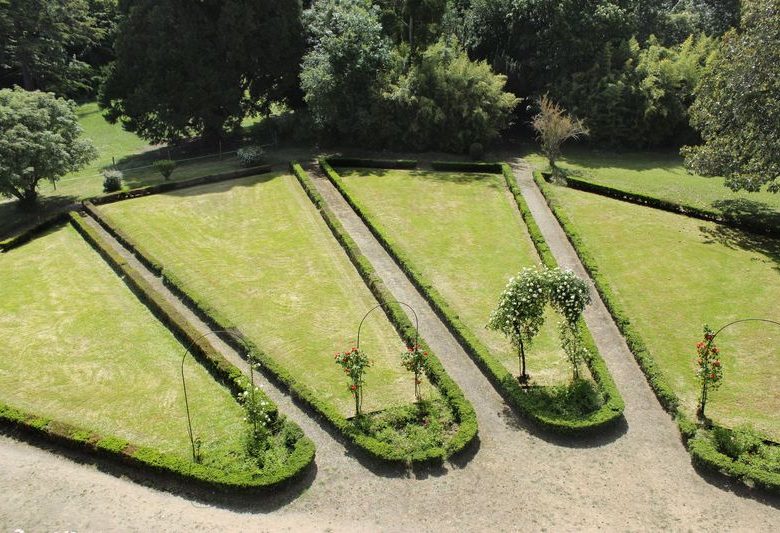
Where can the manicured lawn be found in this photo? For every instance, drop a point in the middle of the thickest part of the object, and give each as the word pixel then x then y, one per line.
pixel 78 346
pixel 662 175
pixel 258 251
pixel 465 235
pixel 672 274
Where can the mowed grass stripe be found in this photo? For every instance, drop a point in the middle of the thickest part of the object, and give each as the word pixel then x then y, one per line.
pixel 672 274
pixel 258 251
pixel 466 236
pixel 77 345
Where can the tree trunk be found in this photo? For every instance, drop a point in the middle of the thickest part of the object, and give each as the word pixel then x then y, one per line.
pixel 521 353
pixel 28 81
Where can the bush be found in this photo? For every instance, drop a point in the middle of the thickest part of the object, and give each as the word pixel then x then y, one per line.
pixel 735 443
pixel 476 151
pixel 112 180
pixel 251 156
pixel 165 167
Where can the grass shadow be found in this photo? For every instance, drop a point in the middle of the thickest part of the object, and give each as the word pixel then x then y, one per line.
pixel 743 209
pixel 15 220
pixel 740 240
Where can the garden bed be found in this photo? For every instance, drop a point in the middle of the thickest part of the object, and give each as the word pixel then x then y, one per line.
pixel 460 236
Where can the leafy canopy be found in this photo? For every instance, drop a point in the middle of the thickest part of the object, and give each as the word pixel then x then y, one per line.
pixel 191 68
pixel 737 107
pixel 40 139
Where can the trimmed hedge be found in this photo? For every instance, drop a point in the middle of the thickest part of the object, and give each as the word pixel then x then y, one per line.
pixel 231 335
pixel 373 163
pixel 467 166
pixel 301 455
pixel 176 185
pixel 701 448
pixel 745 224
pixel 30 233
pixel 501 378
pixel 462 409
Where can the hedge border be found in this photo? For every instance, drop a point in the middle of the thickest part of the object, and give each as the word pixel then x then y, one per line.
pixel 232 336
pixel 502 379
pixel 466 166
pixel 701 448
pixel 375 163
pixel 176 185
pixel 672 207
pixel 301 456
pixel 463 410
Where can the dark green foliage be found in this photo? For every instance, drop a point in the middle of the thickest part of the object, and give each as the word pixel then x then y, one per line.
pixel 476 151
pixel 638 95
pixel 504 381
pixel 737 107
pixel 413 23
pixel 190 68
pixel 42 43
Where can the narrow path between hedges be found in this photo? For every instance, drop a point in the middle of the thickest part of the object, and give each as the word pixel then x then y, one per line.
pixel 517 480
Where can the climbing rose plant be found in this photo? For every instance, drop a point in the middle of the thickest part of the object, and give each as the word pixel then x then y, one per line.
pixel 416 361
pixel 709 368
pixel 355 363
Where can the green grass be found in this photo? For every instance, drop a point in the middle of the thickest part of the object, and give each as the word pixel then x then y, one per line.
pixel 662 175
pixel 672 274
pixel 77 345
pixel 258 251
pixel 467 238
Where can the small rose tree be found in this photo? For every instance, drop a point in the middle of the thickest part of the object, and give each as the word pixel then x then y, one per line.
pixel 709 368
pixel 416 361
pixel 355 363
pixel 520 312
pixel 569 296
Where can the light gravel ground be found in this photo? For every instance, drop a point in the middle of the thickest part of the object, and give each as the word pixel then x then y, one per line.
pixel 637 478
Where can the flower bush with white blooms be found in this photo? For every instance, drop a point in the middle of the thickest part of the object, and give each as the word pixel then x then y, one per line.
pixel 258 419
pixel 520 311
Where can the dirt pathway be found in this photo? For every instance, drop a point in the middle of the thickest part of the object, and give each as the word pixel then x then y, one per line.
pixel 639 480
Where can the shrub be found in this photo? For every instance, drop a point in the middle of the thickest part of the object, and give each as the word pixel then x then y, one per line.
pixel 738 442
pixel 165 167
pixel 251 156
pixel 476 151
pixel 112 180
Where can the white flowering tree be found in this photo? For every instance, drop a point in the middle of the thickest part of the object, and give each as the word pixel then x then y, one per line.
pixel 521 306
pixel 520 312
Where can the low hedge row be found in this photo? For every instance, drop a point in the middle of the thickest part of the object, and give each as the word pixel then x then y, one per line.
pixel 30 233
pixel 702 449
pixel 462 409
pixel 302 454
pixel 231 335
pixel 673 207
pixel 176 185
pixel 373 163
pixel 466 166
pixel 501 378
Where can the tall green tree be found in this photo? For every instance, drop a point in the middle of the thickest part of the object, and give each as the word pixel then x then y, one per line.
pixel 41 41
pixel 40 139
pixel 188 68
pixel 737 107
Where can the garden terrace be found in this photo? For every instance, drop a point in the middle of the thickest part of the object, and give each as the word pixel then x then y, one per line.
pixel 460 236
pixel 255 256
pixel 86 361
pixel 686 273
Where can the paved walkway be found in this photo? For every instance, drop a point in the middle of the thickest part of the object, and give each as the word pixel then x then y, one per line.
pixel 637 478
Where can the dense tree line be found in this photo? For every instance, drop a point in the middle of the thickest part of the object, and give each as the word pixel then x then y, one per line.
pixel 421 74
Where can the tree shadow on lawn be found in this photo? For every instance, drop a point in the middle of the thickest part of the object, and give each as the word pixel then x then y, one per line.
pixel 14 220
pixel 261 500
pixel 594 439
pixel 737 239
pixel 743 209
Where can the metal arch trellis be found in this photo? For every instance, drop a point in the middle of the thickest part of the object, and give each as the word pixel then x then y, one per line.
pixel 414 313
pixel 711 340
pixel 187 351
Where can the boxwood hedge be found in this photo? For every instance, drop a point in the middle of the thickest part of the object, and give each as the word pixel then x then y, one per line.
pixel 701 447
pixel 501 378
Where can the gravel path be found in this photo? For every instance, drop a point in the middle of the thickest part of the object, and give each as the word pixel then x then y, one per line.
pixel 638 478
